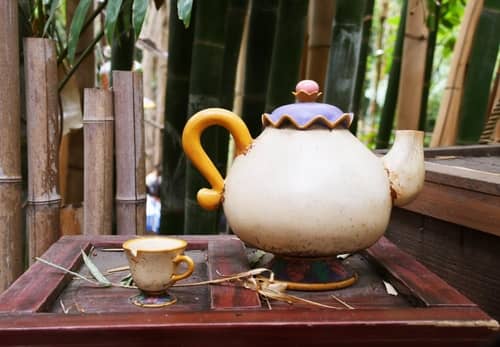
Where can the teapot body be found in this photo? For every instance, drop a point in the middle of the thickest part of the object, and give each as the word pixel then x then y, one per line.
pixel 309 193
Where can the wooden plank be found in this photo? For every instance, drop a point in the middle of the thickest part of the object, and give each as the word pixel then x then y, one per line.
pixel 43 127
pixel 413 278
pixel 36 289
pixel 243 328
pixel 465 207
pixel 229 258
pixel 465 258
pixel 462 177
pixel 11 233
pixel 98 161
pixel 130 154
pixel 464 151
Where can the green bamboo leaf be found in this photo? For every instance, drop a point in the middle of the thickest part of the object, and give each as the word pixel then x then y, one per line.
pixel 112 12
pixel 184 8
pixel 95 271
pixel 76 27
pixel 139 12
pixel 53 7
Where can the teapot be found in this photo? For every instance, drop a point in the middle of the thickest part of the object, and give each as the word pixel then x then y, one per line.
pixel 306 186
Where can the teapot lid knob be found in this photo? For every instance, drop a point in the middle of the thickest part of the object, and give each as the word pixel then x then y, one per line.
pixel 307 91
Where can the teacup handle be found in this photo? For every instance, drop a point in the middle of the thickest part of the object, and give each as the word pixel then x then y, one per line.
pixel 190 263
pixel 211 198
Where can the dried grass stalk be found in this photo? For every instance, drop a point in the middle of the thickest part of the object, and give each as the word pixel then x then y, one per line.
pixel 11 246
pixel 42 220
pixel 130 154
pixel 98 161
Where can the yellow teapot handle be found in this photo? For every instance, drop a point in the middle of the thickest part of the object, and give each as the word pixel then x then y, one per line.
pixel 210 199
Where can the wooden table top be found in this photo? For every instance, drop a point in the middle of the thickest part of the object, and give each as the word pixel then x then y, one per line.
pixel 46 306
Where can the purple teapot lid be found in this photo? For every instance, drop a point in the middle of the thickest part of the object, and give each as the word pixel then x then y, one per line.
pixel 306 112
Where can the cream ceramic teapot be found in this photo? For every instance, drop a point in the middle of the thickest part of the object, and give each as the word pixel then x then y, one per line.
pixel 306 187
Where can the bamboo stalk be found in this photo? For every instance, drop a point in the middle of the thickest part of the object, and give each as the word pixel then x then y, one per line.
pixel 391 95
pixel 321 13
pixel 361 72
pixel 98 162
pixel 42 220
pixel 262 24
pixel 344 54
pixel 287 52
pixel 177 94
pixel 204 91
pixel 373 107
pixel 480 71
pixel 234 26
pixel 412 66
pixel 429 60
pixel 129 152
pixel 11 240
pixel 445 130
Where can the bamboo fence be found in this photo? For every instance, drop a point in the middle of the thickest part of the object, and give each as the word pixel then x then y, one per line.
pixel 42 215
pixel 413 66
pixel 11 241
pixel 129 151
pixel 445 131
pixel 98 161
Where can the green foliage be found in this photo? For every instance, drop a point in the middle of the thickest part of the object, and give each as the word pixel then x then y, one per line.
pixel 184 9
pixel 52 13
pixel 112 12
pixel 139 13
pixel 76 27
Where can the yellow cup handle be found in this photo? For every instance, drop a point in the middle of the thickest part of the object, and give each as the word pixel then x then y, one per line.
pixel 190 263
pixel 210 199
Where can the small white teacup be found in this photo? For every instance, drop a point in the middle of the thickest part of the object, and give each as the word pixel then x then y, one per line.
pixel 153 262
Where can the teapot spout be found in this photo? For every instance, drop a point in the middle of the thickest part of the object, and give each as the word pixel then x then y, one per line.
pixel 404 164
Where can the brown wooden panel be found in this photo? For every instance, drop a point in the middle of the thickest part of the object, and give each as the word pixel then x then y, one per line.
pixel 413 278
pixel 228 258
pixel 474 210
pixel 447 327
pixel 35 290
pixel 467 259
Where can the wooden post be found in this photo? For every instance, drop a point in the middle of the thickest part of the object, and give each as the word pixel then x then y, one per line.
pixel 42 220
pixel 98 161
pixel 11 241
pixel 413 64
pixel 130 154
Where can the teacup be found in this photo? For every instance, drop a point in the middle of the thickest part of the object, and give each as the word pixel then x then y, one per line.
pixel 153 264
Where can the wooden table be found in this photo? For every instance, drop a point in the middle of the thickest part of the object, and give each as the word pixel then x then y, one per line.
pixel 46 307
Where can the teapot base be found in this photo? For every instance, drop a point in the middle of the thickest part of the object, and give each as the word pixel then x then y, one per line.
pixel 312 274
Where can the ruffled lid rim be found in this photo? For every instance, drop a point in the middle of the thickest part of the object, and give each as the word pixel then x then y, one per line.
pixel 344 119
